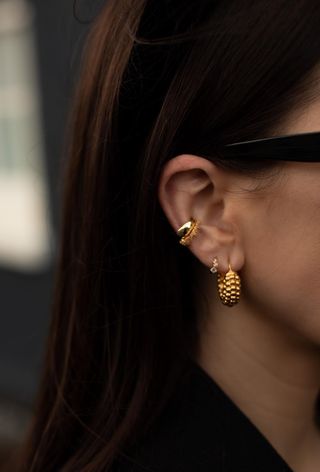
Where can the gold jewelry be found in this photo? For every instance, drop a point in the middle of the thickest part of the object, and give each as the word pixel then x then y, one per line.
pixel 229 287
pixel 214 268
pixel 187 231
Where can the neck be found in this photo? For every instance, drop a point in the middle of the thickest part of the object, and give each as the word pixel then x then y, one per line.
pixel 268 372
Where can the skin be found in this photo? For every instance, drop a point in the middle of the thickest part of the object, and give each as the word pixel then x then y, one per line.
pixel 265 351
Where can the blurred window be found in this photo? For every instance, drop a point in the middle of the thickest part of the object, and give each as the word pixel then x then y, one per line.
pixel 25 226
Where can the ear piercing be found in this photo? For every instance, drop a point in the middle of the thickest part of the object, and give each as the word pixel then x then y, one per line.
pixel 214 268
pixel 229 285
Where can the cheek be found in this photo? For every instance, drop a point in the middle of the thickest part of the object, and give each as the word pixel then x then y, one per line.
pixel 282 267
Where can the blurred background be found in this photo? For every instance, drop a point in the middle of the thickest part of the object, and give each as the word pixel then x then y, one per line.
pixel 40 50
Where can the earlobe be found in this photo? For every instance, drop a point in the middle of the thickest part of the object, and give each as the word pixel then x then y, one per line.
pixel 228 283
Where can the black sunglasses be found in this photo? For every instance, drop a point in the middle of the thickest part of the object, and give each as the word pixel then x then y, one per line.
pixel 304 147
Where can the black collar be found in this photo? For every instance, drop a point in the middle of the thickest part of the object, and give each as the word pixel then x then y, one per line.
pixel 202 430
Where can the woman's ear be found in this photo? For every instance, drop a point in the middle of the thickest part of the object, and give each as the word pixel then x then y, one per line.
pixel 191 186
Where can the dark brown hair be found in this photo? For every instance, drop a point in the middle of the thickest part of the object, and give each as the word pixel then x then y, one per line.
pixel 158 78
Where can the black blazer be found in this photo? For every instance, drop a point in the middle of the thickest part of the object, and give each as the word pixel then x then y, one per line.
pixel 202 430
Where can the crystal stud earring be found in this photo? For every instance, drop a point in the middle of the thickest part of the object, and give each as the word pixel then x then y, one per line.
pixel 214 268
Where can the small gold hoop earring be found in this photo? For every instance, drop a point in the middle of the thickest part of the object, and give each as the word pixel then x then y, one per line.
pixel 229 287
pixel 187 231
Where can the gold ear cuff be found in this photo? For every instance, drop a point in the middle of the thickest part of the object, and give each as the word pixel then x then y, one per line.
pixel 187 231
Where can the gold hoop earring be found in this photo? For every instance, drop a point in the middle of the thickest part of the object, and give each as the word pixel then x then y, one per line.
pixel 229 287
pixel 187 231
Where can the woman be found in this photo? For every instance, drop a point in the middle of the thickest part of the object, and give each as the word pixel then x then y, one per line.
pixel 203 355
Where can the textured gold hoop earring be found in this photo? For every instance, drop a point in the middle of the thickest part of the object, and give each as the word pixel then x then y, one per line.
pixel 187 231
pixel 229 287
